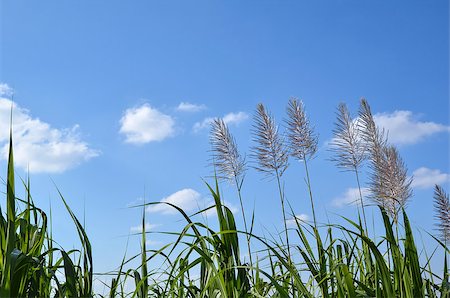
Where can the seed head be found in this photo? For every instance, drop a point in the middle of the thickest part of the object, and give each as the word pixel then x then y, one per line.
pixel 347 144
pixel 302 140
pixel 227 161
pixel 390 185
pixel 442 208
pixel 374 138
pixel 270 153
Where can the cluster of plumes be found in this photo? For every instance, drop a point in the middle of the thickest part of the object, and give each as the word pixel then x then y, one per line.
pixel 270 151
pixel 390 186
pixel 442 209
pixel 356 140
pixel 227 161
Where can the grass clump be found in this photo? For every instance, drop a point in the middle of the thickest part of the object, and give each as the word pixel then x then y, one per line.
pixel 309 260
pixel 31 264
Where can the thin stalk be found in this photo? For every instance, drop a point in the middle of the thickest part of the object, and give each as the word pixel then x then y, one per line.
pixel 364 245
pixel 361 199
pixel 238 187
pixel 284 214
pixel 280 190
pixel 308 181
pixel 396 232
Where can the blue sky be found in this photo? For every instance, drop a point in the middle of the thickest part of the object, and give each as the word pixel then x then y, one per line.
pixel 113 100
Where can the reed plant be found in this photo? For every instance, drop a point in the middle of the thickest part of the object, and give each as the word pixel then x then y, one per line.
pixel 302 141
pixel 230 165
pixel 270 155
pixel 348 148
pixel 322 260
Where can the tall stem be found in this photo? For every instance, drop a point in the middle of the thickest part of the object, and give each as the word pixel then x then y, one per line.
pixel 308 181
pixel 363 243
pixel 361 199
pixel 396 230
pixel 280 190
pixel 238 187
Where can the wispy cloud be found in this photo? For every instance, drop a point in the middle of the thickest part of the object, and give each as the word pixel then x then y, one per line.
pixel 37 146
pixel 204 124
pixel 423 178
pixel 190 107
pixel 292 222
pixel 5 90
pixel 189 201
pixel 350 197
pixel 404 127
pixel 426 178
pixel 144 124
pixel 229 119
pixel 148 227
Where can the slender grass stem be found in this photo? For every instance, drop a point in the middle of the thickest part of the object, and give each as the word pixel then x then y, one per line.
pixel 308 182
pixel 239 188
pixel 361 199
pixel 281 193
pixel 286 232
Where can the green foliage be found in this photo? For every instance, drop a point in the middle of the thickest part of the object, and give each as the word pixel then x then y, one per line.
pixel 28 261
pixel 325 260
pixel 352 265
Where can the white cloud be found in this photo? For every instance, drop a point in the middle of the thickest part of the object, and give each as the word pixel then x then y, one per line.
pixel 148 227
pixel 229 119
pixel 186 199
pixel 427 178
pixel 145 124
pixel 198 126
pixel 190 107
pixel 5 90
pixel 404 128
pixel 235 118
pixel 350 197
pixel 292 222
pixel 189 200
pixel 37 146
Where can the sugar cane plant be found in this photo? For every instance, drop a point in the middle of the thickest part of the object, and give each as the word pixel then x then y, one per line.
pixel 314 259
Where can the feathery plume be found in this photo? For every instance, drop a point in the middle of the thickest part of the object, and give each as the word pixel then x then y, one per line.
pixel 374 138
pixel 227 161
pixel 270 153
pixel 390 186
pixel 347 144
pixel 442 208
pixel 302 140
